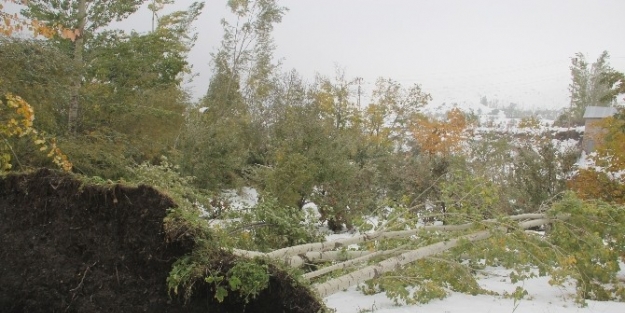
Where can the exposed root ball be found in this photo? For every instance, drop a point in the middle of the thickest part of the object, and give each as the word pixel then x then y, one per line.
pixel 70 247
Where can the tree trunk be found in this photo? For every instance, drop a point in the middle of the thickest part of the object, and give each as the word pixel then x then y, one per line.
pixel 394 263
pixel 373 271
pixel 346 264
pixel 79 44
pixel 287 252
pixel 297 256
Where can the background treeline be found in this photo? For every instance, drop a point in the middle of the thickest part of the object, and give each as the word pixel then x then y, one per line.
pixel 115 100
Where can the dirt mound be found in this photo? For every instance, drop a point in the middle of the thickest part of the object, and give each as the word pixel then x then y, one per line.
pixel 70 247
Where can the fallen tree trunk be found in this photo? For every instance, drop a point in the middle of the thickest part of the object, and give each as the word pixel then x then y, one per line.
pixel 292 256
pixel 327 288
pixel 95 231
pixel 308 257
pixel 346 264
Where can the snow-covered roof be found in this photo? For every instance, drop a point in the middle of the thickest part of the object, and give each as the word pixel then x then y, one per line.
pixel 599 112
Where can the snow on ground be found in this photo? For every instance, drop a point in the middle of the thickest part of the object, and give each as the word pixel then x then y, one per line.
pixel 541 298
pixel 241 199
pixel 439 110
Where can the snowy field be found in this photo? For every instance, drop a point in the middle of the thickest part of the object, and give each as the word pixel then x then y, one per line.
pixel 541 298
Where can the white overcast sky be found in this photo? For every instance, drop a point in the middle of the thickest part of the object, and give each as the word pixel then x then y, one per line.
pixel 458 50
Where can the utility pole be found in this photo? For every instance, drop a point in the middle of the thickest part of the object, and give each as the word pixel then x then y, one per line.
pixel 358 80
pixel 154 7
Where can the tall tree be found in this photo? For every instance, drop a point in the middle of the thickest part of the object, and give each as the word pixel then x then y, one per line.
pixel 232 128
pixel 215 141
pixel 247 51
pixel 247 45
pixel 129 85
pixel 133 93
pixel 86 17
pixel 335 100
pixel 588 86
pixel 40 74
pixel 615 80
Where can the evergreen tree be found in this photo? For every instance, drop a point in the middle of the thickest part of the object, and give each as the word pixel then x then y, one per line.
pixel 588 86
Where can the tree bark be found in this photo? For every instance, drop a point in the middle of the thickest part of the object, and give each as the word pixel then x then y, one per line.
pixel 346 264
pixel 339 243
pixel 297 256
pixel 343 282
pixel 79 44
pixel 373 271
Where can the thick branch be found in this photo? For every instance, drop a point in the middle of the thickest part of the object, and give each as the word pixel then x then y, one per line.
pixel 373 271
pixel 343 242
pixel 339 243
pixel 397 262
pixel 309 257
pixel 292 256
pixel 317 257
pixel 347 264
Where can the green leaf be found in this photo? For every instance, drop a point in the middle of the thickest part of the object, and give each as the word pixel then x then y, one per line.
pixel 234 283
pixel 221 293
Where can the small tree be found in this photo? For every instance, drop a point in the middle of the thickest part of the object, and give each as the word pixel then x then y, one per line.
pixel 588 87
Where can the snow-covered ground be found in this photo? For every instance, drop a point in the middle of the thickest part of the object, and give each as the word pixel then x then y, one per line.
pixel 482 111
pixel 242 199
pixel 541 298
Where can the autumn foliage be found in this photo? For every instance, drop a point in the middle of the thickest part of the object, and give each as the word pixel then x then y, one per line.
pixel 14 23
pixel 441 137
pixel 604 178
pixel 16 120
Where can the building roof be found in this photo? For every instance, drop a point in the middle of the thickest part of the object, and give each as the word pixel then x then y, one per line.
pixel 599 112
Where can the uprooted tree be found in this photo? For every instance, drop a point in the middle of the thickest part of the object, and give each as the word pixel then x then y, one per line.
pixel 411 262
pixel 70 245
pixel 239 256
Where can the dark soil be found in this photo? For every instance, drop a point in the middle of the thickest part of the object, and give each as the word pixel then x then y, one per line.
pixel 70 247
